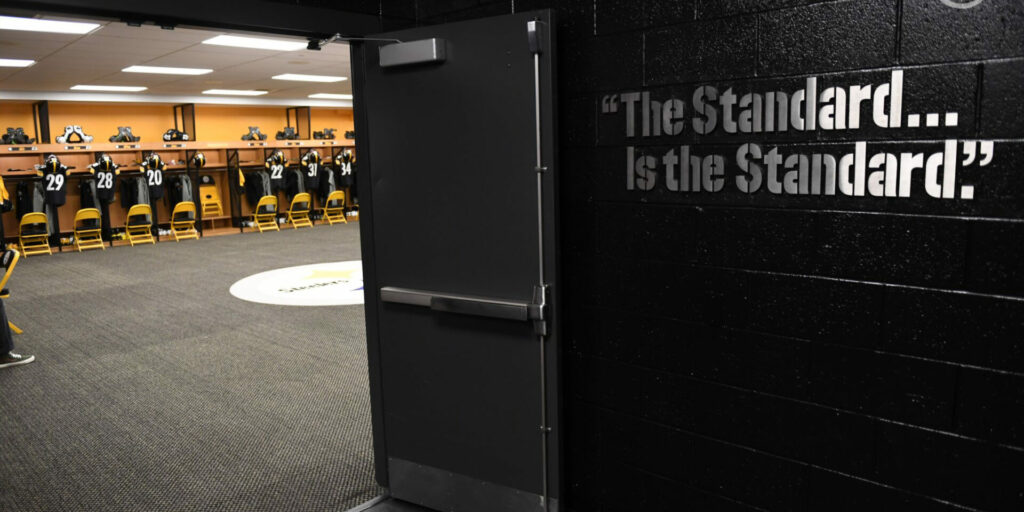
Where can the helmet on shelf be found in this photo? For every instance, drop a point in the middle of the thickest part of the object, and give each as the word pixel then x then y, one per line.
pixel 105 162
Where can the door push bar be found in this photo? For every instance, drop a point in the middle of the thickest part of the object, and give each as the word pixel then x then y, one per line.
pixel 470 304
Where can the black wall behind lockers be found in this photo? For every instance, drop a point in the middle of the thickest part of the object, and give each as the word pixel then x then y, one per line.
pixel 764 352
pixel 747 352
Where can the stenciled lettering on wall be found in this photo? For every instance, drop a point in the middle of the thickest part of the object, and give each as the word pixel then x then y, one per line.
pixel 849 170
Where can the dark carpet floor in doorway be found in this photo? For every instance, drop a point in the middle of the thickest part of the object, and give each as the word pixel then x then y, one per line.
pixel 155 389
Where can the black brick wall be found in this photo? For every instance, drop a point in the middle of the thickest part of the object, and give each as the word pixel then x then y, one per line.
pixel 765 352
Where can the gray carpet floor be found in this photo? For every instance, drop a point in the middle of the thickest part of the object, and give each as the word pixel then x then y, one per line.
pixel 155 389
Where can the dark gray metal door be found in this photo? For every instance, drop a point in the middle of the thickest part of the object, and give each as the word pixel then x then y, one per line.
pixel 455 151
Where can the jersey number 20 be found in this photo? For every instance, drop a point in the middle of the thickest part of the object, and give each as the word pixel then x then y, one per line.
pixel 156 178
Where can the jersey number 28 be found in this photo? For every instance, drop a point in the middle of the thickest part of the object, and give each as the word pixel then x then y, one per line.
pixel 105 180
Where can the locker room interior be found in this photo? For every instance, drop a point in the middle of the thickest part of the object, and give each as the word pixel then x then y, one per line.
pixel 556 255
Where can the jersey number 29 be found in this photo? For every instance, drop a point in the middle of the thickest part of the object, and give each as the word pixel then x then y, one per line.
pixel 54 182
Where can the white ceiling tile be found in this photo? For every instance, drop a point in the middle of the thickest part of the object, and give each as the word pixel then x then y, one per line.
pixel 97 58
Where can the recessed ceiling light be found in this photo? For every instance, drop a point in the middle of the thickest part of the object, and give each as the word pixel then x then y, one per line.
pixel 309 78
pixel 16 63
pixel 59 27
pixel 258 43
pixel 111 88
pixel 326 96
pixel 234 92
pixel 166 71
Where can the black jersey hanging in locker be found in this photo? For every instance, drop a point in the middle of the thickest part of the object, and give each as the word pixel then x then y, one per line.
pixel 55 180
pixel 346 164
pixel 275 166
pixel 153 170
pixel 311 169
pixel 104 170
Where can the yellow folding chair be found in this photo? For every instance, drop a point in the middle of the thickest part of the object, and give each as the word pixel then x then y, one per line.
pixel 210 201
pixel 8 260
pixel 334 208
pixel 87 230
pixel 264 217
pixel 298 212
pixel 183 221
pixel 139 225
pixel 33 237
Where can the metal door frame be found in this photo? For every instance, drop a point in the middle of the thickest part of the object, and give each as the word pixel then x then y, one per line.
pixel 547 158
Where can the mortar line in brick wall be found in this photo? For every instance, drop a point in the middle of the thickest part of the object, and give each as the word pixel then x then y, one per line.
pixel 643 59
pixel 832 408
pixel 956 393
pixel 880 352
pixel 757 45
pixel 778 457
pixel 899 31
pixel 804 74
pixel 701 206
pixel 870 283
pixel 825 343
pixel 968 253
pixel 761 11
pixel 968 293
pixel 979 96
pixel 883 334
pixel 697 488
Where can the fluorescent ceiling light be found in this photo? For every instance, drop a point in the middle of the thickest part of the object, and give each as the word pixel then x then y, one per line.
pixel 258 43
pixel 309 78
pixel 234 92
pixel 326 96
pixel 16 63
pixel 36 25
pixel 111 88
pixel 166 71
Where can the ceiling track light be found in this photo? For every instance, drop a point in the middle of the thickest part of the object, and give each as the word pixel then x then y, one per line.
pixel 256 43
pixel 16 63
pixel 44 25
pixel 165 70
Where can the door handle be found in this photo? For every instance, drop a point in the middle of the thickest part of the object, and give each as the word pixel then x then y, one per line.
pixel 464 304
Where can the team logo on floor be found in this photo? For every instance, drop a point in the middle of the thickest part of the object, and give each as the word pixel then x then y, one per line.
pixel 321 284
pixel 961 4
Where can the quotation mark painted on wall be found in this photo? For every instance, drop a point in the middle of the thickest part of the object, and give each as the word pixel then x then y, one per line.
pixel 610 104
pixel 971 152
